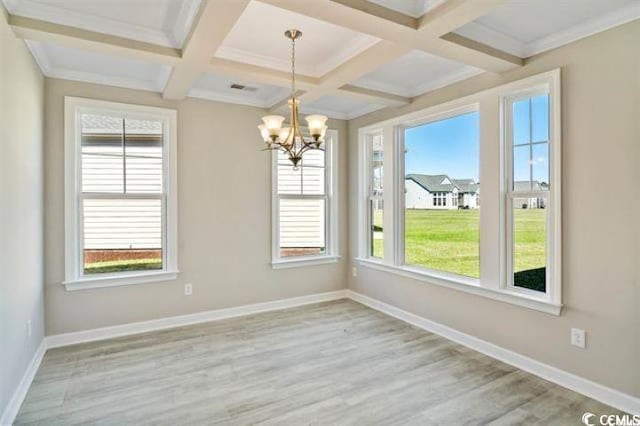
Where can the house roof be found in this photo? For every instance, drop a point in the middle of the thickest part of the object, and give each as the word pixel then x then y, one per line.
pixel 466 185
pixel 523 185
pixel 433 183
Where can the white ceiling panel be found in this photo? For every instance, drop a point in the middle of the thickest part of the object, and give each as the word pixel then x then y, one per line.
pixel 74 64
pixel 218 87
pixel 527 27
pixel 415 73
pixel 258 38
pixel 165 22
pixel 415 8
pixel 340 107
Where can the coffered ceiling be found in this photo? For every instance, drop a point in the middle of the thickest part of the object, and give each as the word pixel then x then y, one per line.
pixel 355 56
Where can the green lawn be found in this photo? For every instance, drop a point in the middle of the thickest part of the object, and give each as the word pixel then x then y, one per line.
pixel 122 265
pixel 448 240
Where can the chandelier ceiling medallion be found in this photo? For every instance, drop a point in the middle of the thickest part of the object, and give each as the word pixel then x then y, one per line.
pixel 290 139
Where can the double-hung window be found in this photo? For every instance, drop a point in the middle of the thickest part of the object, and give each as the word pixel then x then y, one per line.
pixel 375 159
pixel 304 207
pixel 530 182
pixel 505 142
pixel 120 194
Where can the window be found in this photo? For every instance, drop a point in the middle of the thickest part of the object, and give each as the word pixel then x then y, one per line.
pixel 528 189
pixel 433 174
pixel 120 193
pixel 442 157
pixel 304 207
pixel 375 197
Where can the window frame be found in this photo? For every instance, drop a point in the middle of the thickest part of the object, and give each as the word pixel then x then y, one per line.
pixel 331 210
pixel 371 197
pixel 550 196
pixel 493 245
pixel 75 279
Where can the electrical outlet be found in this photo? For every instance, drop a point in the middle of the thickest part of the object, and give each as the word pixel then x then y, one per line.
pixel 29 328
pixel 354 271
pixel 188 289
pixel 578 338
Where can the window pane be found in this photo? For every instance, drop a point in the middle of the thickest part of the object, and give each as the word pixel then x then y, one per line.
pixel 442 163
pixel 122 235
pixel 540 162
pixel 521 130
pixel 377 160
pixel 102 154
pixel 143 152
pixel 540 118
pixel 312 180
pixel 289 179
pixel 302 227
pixel 521 168
pixel 377 234
pixel 529 243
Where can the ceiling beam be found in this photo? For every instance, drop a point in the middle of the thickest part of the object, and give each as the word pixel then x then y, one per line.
pixel 453 14
pixel 372 58
pixel 214 21
pixel 357 15
pixel 48 32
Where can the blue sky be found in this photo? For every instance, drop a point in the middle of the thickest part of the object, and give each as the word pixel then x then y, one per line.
pixel 452 146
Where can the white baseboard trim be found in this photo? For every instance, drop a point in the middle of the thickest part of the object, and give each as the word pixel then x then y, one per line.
pixel 606 395
pixel 12 408
pixel 66 339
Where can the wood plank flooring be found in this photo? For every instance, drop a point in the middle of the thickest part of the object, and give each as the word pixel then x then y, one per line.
pixel 330 363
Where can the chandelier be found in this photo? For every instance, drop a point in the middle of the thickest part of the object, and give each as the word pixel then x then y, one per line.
pixel 290 140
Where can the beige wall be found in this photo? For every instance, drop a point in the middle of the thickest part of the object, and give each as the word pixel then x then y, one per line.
pixel 21 209
pixel 601 230
pixel 224 219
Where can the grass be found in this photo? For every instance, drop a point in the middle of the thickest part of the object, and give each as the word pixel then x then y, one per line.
pixel 122 265
pixel 448 240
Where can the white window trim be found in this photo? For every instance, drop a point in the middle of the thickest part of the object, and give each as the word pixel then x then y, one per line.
pixel 331 211
pixel 74 280
pixel 393 262
pixel 553 293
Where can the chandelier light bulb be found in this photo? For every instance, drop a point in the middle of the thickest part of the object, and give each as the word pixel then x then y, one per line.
pixel 316 124
pixel 273 123
pixel 264 133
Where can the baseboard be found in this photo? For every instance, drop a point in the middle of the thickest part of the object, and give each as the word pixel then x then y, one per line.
pixel 601 393
pixel 66 339
pixel 586 387
pixel 12 408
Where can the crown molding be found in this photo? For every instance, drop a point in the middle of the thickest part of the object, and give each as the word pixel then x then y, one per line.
pixel 62 16
pixel 184 21
pixel 607 21
pixel 453 77
pixel 211 95
pixel 347 51
pixel 500 41
pixel 493 38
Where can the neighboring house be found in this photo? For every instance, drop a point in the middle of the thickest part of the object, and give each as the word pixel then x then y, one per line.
pixel 529 203
pixel 440 192
pixel 468 193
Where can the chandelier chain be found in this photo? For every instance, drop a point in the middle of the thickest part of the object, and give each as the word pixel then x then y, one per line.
pixel 293 67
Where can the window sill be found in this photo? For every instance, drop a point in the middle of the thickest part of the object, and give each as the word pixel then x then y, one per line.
pixel 468 285
pixel 120 279
pixel 303 261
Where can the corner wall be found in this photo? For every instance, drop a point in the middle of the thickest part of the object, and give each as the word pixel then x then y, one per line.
pixel 224 218
pixel 601 230
pixel 21 210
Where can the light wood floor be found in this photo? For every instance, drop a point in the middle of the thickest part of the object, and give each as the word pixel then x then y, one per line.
pixel 331 363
